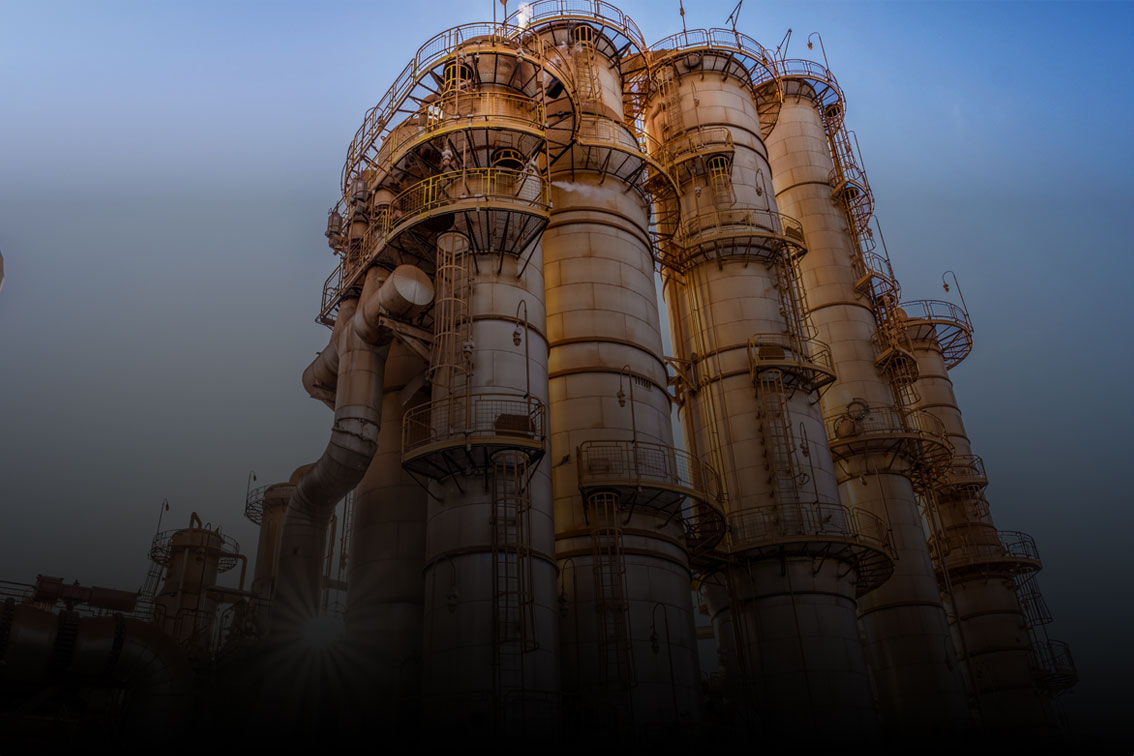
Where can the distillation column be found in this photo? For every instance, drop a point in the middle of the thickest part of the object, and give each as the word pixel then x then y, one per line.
pixel 879 444
pixel 457 187
pixel 490 631
pixel 629 651
pixel 749 369
pixel 980 567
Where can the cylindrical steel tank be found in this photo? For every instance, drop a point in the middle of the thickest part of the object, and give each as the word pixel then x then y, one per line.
pixel 750 370
pixel 490 635
pixel 908 644
pixel 978 565
pixel 267 507
pixel 193 557
pixel 629 651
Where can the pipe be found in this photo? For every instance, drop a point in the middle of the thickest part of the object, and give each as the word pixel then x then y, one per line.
pixel 321 376
pixel 243 568
pixel 109 651
pixel 353 443
pixel 403 293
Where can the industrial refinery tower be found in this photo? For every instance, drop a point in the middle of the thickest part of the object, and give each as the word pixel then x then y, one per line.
pixel 527 541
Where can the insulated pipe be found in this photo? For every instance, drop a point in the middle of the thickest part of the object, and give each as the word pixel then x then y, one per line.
pixel 403 293
pixel 354 440
pixel 110 651
pixel 385 584
pixel 321 376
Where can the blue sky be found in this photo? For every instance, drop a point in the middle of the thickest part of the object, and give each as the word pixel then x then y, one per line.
pixel 165 169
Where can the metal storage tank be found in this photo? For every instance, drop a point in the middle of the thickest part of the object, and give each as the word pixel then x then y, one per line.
pixel 192 559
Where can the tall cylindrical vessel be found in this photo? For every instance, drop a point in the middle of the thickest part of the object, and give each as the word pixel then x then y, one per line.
pixel 978 566
pixel 879 447
pixel 629 650
pixel 490 634
pixel 749 369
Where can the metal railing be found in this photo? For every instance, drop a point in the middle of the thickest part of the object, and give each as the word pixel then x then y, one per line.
pixel 975 545
pixel 809 69
pixel 699 139
pixel 23 593
pixel 725 40
pixel 493 186
pixel 937 311
pixel 726 221
pixel 530 14
pixel 440 46
pixel 464 110
pixel 332 290
pixel 884 421
pixel 225 546
pixel 778 349
pixel 967 468
pixel 646 464
pixel 600 129
pixel 456 419
pixel 775 523
pixel 1019 545
pixel 254 503
pixel 1057 667
pixel 484 184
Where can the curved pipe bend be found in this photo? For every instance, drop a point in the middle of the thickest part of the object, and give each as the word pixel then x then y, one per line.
pixel 348 375
pixel 353 443
pixel 114 650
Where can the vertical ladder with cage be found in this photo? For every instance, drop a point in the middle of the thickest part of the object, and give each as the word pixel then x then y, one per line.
pixel 779 443
pixel 671 101
pixel 616 663
pixel 512 597
pixel 586 65
pixel 793 301
pixel 450 361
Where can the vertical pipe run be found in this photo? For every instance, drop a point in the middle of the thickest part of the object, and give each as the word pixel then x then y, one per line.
pixel 354 435
pixel 385 586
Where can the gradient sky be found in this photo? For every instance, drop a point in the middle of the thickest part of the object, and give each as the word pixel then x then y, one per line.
pixel 165 170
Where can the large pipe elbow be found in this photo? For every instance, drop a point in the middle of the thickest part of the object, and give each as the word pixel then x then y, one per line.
pixel 315 381
pixel 402 293
pixel 113 651
pixel 352 446
pixel 321 377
